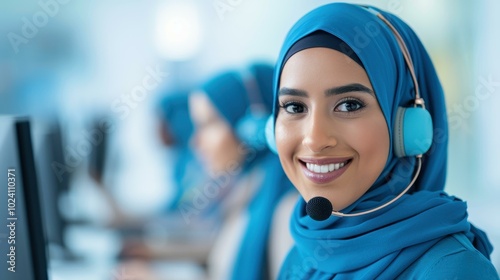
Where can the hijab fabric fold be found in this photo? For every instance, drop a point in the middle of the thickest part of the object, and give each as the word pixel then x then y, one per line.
pixel 381 244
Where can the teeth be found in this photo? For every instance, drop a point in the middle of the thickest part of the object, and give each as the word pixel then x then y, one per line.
pixel 317 168
pixel 324 168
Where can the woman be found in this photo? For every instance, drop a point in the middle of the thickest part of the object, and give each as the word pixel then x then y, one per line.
pixel 340 80
pixel 229 113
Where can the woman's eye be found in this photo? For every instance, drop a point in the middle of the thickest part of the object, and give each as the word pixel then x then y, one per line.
pixel 349 106
pixel 294 108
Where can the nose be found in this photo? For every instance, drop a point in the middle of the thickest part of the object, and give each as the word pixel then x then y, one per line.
pixel 194 141
pixel 319 133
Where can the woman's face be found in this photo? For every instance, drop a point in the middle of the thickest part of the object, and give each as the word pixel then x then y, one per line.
pixel 331 135
pixel 215 143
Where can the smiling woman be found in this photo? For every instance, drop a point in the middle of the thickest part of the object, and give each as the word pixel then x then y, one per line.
pixel 329 102
pixel 353 133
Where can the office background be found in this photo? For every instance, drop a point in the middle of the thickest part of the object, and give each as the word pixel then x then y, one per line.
pixel 111 60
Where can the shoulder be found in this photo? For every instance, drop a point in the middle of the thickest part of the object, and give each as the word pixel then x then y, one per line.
pixel 452 257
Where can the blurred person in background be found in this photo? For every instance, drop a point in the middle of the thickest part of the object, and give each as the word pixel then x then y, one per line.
pixel 230 111
pixel 185 180
pixel 245 182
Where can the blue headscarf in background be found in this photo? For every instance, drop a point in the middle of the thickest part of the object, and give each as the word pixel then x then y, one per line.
pixel 229 95
pixel 381 244
pixel 228 91
pixel 174 111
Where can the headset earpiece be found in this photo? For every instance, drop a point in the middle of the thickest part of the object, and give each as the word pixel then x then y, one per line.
pixel 270 138
pixel 251 128
pixel 412 131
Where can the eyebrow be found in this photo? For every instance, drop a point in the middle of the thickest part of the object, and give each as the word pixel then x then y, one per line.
pixel 332 91
pixel 292 91
pixel 348 88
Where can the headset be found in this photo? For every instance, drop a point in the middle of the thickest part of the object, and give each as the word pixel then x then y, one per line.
pixel 413 125
pixel 250 129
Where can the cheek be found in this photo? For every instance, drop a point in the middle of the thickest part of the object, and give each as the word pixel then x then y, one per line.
pixel 377 148
pixel 222 138
pixel 228 142
pixel 287 142
pixel 220 148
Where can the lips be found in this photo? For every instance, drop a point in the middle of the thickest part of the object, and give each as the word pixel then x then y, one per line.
pixel 322 171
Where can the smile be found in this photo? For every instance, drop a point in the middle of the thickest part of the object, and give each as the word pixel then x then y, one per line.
pixel 325 170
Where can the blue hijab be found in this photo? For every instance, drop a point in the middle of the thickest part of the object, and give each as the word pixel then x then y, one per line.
pixel 381 244
pixel 173 109
pixel 228 93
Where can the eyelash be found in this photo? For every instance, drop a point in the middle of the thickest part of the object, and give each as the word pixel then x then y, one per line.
pixel 286 105
pixel 351 100
pixel 360 103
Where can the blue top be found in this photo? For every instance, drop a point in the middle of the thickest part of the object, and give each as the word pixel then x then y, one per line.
pixel 385 243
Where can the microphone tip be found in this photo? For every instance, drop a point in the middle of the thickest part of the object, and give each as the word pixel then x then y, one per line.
pixel 319 208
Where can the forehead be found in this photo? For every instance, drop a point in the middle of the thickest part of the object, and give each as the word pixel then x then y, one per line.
pixel 321 67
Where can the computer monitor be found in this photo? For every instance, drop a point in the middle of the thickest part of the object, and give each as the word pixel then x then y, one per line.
pixel 98 156
pixel 53 178
pixel 23 251
pixel 55 142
